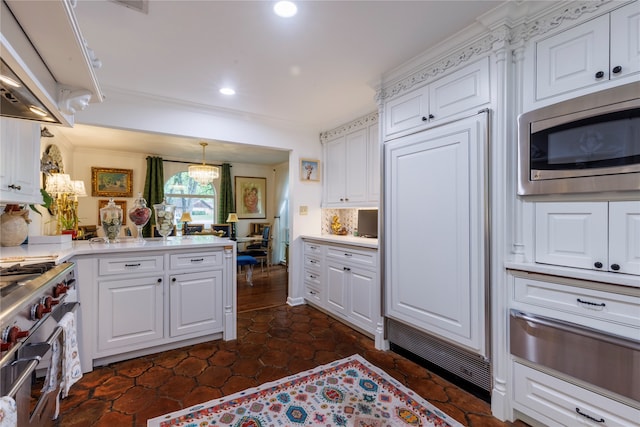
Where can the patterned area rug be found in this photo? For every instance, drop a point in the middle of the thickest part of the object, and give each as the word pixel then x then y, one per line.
pixel 347 392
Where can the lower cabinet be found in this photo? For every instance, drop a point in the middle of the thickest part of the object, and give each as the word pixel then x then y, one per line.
pixel 343 280
pixel 193 305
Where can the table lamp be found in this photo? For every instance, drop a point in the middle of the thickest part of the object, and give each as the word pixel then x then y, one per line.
pixel 232 219
pixel 185 219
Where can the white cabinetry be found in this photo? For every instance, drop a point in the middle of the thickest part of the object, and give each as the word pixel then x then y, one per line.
pixel 459 91
pixel 352 164
pixel 593 235
pixel 602 49
pixel 140 302
pixel 19 158
pixel 434 216
pixel 343 280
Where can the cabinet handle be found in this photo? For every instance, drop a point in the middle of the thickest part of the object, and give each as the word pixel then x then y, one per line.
pixel 615 267
pixel 599 74
pixel 431 116
pixel 341 199
pixel 616 69
pixel 15 187
pixel 346 254
pixel 313 261
pixel 598 264
pixel 160 280
pixel 601 420
pixel 197 260
pixel 173 279
pixel 132 265
pixel 346 268
pixel 346 199
pixel 597 304
pixel 311 276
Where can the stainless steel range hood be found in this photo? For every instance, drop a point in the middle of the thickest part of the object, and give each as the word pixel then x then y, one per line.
pixel 43 51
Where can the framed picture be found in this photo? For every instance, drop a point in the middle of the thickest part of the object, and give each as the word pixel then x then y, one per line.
pixel 309 170
pixel 123 205
pixel 107 182
pixel 251 197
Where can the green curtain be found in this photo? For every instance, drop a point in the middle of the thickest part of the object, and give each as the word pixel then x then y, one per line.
pixel 225 204
pixel 153 189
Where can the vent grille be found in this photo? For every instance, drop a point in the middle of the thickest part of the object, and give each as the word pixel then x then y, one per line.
pixel 139 5
pixel 461 363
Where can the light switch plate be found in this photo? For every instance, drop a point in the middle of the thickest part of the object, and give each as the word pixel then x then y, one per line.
pixel 304 210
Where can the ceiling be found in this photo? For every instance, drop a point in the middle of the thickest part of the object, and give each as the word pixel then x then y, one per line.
pixel 318 69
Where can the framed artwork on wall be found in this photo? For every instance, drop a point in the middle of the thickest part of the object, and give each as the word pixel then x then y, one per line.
pixel 121 203
pixel 309 170
pixel 109 182
pixel 251 197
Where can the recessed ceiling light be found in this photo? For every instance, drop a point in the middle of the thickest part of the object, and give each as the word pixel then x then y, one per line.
pixel 285 9
pixel 227 91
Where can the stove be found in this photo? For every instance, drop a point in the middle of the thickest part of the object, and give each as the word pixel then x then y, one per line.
pixel 33 299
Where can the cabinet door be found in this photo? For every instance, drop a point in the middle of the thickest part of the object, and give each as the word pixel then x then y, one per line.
pixel 624 237
pixel 460 91
pixel 571 59
pixel 625 40
pixel 196 303
pixel 356 167
pixel 335 165
pixel 20 153
pixel 130 312
pixel 336 287
pixel 407 112
pixel 364 298
pixel 572 234
pixel 433 204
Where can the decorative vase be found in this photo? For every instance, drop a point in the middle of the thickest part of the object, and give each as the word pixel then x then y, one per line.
pixel 111 218
pixel 140 214
pixel 14 227
pixel 165 218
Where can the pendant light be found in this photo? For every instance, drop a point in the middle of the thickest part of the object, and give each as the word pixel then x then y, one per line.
pixel 203 173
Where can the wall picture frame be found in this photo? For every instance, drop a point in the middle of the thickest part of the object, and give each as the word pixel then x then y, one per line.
pixel 309 170
pixel 110 182
pixel 251 197
pixel 121 203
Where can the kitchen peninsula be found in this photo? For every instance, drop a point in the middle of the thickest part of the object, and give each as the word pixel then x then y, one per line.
pixel 139 298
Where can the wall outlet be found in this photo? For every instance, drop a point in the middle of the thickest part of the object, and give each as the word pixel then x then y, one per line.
pixel 304 210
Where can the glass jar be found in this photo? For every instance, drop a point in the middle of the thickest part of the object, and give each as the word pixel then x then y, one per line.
pixel 111 219
pixel 139 214
pixel 165 218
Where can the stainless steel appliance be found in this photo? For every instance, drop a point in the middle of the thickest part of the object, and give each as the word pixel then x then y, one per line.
pixel 35 297
pixel 586 144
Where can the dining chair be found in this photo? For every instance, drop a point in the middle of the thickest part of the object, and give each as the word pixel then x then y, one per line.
pixel 261 251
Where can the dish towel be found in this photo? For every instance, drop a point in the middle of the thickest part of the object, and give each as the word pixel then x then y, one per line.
pixel 67 350
pixel 8 412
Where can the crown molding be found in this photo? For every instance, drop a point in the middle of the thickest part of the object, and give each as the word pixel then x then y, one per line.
pixel 354 125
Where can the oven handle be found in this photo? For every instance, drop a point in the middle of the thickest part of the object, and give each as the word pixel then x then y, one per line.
pixel 534 320
pixel 24 376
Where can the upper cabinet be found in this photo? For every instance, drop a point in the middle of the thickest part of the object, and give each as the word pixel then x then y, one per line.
pixel 352 159
pixel 460 91
pixel 599 51
pixel 19 153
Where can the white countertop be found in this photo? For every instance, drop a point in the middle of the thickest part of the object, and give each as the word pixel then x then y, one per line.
pixel 345 240
pixel 62 252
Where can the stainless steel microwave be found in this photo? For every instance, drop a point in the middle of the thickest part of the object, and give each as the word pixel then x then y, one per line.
pixel 584 145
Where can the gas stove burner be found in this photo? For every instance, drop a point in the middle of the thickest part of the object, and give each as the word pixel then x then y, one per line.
pixel 38 268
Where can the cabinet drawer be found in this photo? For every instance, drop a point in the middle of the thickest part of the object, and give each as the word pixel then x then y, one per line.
pixel 565 404
pixel 108 266
pixel 612 312
pixel 311 262
pixel 195 260
pixel 363 258
pixel 311 276
pixel 312 293
pixel 312 248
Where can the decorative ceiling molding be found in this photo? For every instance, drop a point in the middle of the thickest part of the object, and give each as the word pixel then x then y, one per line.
pixel 526 31
pixel 352 126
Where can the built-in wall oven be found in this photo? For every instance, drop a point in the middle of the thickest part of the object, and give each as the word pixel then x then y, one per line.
pixel 583 145
pixel 35 297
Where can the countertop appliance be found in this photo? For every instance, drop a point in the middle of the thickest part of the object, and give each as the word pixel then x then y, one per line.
pixel 35 297
pixel 583 145
pixel 368 223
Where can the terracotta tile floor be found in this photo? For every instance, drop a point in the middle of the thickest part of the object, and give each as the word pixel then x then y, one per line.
pixel 272 343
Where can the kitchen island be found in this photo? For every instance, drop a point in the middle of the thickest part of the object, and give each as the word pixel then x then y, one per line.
pixel 138 298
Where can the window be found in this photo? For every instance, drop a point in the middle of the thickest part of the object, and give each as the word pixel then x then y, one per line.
pixel 189 196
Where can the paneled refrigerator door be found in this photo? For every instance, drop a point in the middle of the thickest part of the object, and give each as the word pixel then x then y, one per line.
pixel 435 247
